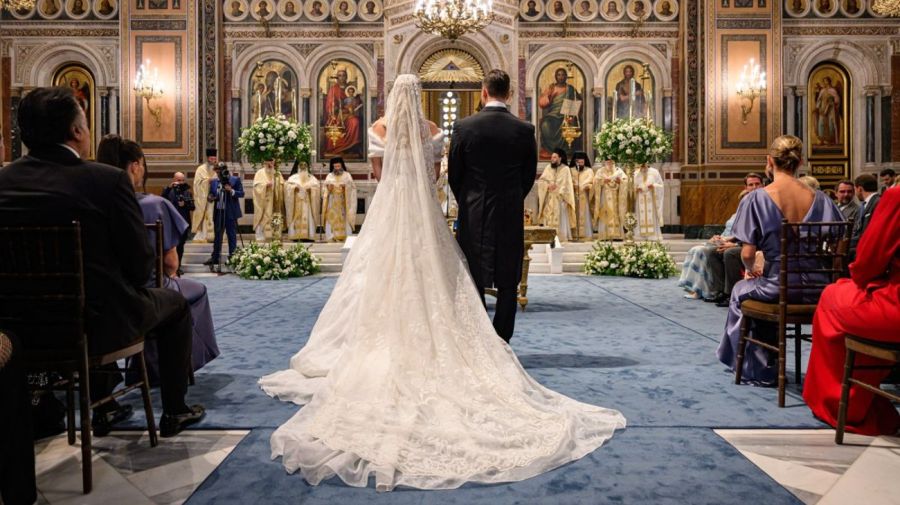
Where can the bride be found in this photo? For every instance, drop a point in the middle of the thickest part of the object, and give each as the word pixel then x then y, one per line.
pixel 403 376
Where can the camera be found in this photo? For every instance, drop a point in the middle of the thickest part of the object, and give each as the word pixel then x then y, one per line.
pixel 224 175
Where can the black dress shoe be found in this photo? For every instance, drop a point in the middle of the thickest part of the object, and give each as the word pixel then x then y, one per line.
pixel 210 262
pixel 172 424
pixel 724 302
pixel 104 421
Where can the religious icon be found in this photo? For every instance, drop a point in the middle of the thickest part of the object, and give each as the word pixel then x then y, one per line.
pixel 290 10
pixel 106 8
pixel 558 10
pixel 561 86
pixel 851 7
pixel 666 10
pixel 342 116
pixel 78 8
pixel 585 10
pixel 317 10
pixel 236 9
pixel 531 10
pixel 263 10
pixel 343 10
pixel 273 87
pixel 638 10
pixel 631 85
pixel 370 10
pixel 50 8
pixel 612 10
pixel 828 107
pixel 81 82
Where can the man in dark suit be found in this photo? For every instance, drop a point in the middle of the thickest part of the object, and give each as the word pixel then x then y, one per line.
pixel 492 167
pixel 867 194
pixel 226 211
pixel 17 473
pixel 52 184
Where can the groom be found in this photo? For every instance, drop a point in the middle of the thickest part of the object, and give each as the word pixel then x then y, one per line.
pixel 492 165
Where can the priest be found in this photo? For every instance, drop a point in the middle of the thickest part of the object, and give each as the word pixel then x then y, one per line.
pixel 556 197
pixel 609 201
pixel 301 203
pixel 338 202
pixel 202 217
pixel 268 187
pixel 648 193
pixel 582 184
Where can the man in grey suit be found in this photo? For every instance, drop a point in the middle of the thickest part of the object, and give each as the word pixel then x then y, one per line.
pixel 492 167
pixel 867 193
pixel 846 200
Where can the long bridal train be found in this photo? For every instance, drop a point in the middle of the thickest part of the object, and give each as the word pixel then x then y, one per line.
pixel 403 376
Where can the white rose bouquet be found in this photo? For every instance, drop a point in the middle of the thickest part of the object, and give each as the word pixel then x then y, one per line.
pixel 276 138
pixel 647 260
pixel 634 140
pixel 273 261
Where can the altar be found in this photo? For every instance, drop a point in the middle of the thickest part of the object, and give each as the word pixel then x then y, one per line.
pixel 533 235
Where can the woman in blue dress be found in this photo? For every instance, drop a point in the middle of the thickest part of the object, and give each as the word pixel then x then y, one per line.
pixel 128 155
pixel 758 227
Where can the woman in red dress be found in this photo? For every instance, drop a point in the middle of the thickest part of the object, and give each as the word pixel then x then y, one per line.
pixel 868 306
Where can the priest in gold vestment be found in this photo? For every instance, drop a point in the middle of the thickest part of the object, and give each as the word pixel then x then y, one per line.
pixel 610 186
pixel 339 202
pixel 268 184
pixel 301 203
pixel 648 194
pixel 556 197
pixel 583 183
pixel 202 217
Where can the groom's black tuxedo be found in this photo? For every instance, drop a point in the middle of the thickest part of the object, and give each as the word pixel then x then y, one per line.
pixel 492 167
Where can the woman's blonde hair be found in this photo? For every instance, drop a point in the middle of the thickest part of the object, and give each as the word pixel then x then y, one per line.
pixel 786 153
pixel 810 181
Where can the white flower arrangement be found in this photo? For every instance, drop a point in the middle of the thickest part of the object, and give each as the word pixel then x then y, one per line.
pixel 273 261
pixel 634 140
pixel 276 138
pixel 647 260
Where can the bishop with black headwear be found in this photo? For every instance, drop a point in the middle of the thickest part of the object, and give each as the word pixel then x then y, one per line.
pixel 582 184
pixel 339 202
pixel 556 196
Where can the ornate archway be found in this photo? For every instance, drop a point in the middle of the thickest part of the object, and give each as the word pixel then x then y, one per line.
pixel 451 86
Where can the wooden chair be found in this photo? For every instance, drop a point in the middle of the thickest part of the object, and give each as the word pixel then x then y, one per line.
pixel 815 248
pixel 881 350
pixel 42 299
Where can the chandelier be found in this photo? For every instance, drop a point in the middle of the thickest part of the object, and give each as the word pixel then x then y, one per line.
pixel 452 19
pixel 887 7
pixel 17 5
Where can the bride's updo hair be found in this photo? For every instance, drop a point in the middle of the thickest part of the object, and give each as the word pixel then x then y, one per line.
pixel 787 153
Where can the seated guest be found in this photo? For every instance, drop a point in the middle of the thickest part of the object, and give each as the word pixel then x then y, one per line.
pixel 128 155
pixel 702 276
pixel 53 184
pixel 17 473
pixel 758 227
pixel 866 305
pixel 727 258
pixel 846 200
pixel 888 179
pixel 866 192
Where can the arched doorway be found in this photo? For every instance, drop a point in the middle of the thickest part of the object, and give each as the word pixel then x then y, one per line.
pixel 451 86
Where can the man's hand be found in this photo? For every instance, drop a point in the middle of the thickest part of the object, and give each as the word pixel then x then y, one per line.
pixel 181 203
pixel 553 187
pixel 174 183
pixel 228 188
pixel 269 184
pixel 724 246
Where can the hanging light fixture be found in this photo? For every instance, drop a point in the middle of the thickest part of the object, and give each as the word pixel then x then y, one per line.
pixel 17 5
pixel 452 19
pixel 887 7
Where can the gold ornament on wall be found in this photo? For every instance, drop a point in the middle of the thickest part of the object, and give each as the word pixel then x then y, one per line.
pixel 451 65
pixel 750 86
pixel 147 86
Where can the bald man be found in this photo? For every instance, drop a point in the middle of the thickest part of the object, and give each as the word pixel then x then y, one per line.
pixel 179 193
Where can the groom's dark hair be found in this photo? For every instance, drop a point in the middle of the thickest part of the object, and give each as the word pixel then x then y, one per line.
pixel 497 83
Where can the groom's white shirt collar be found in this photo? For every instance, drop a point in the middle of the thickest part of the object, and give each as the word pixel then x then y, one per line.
pixel 496 103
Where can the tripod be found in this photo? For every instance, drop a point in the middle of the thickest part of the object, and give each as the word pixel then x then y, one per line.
pixel 219 224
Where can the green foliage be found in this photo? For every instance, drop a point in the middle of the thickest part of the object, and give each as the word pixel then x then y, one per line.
pixel 647 260
pixel 273 261
pixel 635 140
pixel 276 138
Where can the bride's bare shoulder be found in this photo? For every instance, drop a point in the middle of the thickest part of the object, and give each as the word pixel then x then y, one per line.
pixel 380 127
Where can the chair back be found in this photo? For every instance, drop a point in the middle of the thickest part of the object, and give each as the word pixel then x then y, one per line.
pixel 812 256
pixel 156 235
pixel 42 296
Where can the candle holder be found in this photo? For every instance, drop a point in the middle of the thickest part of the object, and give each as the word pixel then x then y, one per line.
pixel 149 88
pixel 752 85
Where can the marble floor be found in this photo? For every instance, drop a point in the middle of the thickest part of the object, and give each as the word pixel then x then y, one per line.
pixel 128 471
pixel 815 470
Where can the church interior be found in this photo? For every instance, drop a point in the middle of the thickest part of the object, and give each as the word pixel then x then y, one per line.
pixel 721 80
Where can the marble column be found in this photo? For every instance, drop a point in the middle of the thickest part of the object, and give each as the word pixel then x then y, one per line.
pixel 104 112
pixel 790 107
pixel 800 113
pixel 871 121
pixel 113 110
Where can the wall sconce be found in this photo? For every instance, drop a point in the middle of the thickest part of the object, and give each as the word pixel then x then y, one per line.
pixel 149 88
pixel 751 86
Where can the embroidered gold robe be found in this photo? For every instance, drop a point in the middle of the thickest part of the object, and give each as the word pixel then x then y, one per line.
pixel 301 205
pixel 556 207
pixel 609 202
pixel 267 182
pixel 202 217
pixel 339 206
pixel 583 183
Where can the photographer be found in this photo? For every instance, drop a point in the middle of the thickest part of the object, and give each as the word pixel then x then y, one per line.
pixel 179 193
pixel 225 190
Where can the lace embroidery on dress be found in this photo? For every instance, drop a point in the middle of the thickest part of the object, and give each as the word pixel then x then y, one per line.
pixel 403 375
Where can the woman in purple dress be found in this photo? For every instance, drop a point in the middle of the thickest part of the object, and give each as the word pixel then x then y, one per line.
pixel 128 155
pixel 758 227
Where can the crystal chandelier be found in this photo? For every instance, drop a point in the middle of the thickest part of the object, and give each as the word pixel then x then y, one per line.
pixel 887 7
pixel 452 19
pixel 17 5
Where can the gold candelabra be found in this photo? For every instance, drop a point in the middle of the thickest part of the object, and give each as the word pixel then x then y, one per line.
pixel 452 19
pixel 149 88
pixel 570 132
pixel 17 5
pixel 752 85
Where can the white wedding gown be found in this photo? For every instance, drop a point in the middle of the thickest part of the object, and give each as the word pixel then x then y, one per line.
pixel 403 376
